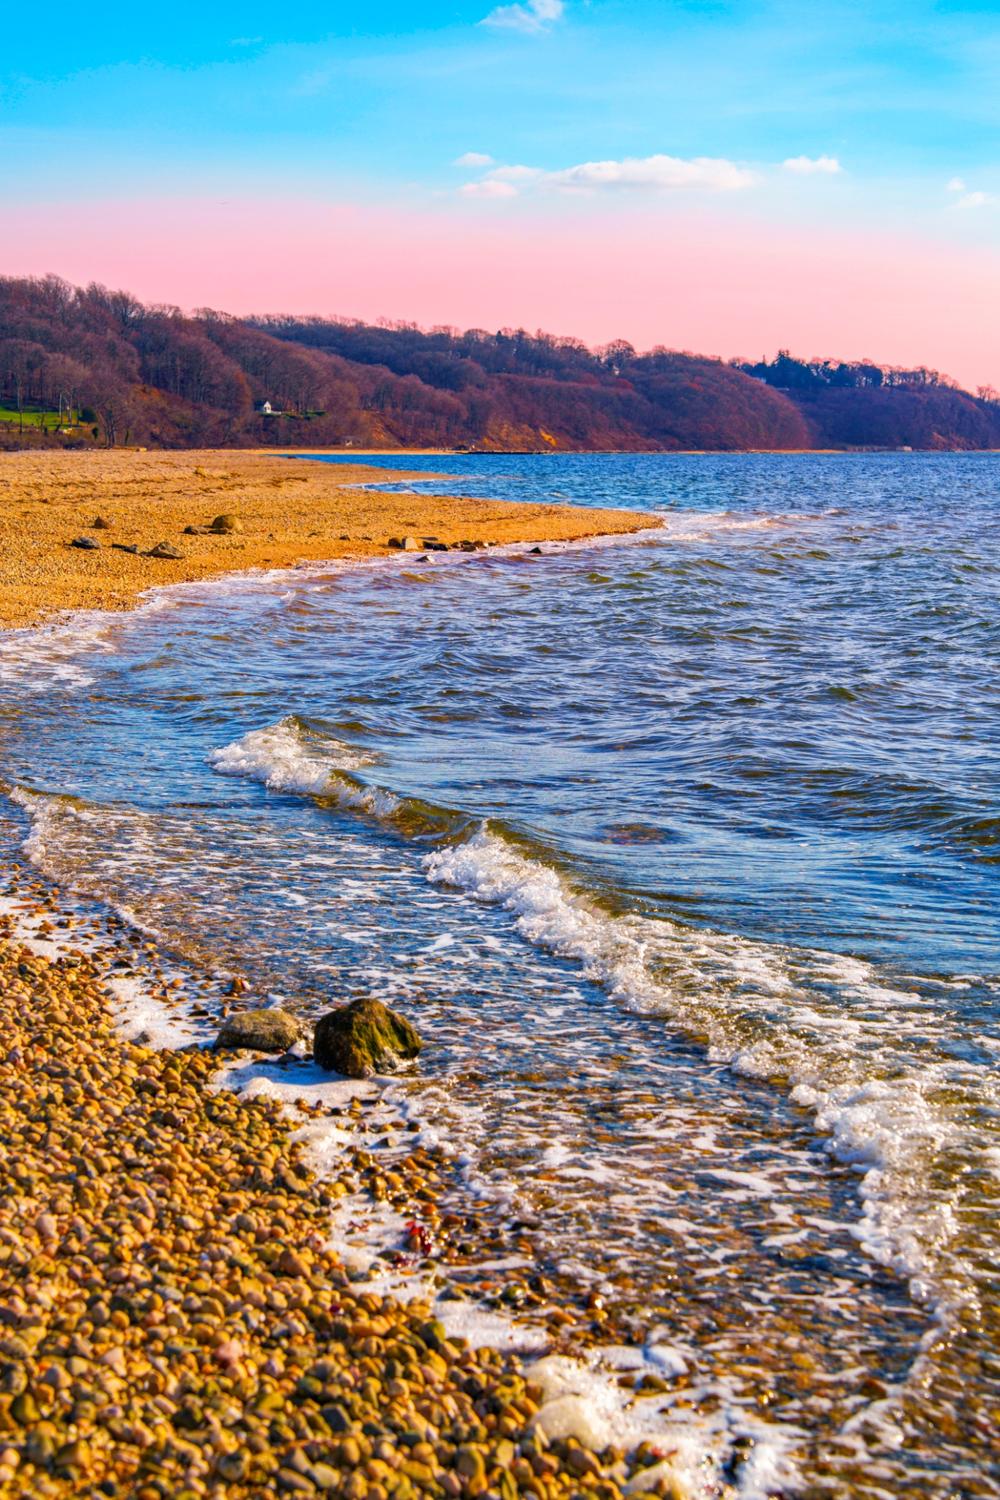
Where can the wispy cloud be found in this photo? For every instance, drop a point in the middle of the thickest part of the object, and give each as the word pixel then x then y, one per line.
pixel 489 189
pixel 810 166
pixel 647 173
pixel 473 159
pixel 532 17
pixel 977 200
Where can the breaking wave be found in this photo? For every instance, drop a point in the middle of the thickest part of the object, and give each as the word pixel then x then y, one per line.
pixel 803 1019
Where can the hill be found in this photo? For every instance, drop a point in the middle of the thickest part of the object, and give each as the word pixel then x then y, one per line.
pixel 80 366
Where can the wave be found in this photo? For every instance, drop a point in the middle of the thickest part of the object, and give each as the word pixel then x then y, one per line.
pixel 753 1011
pixel 848 1044
pixel 288 757
pixel 296 756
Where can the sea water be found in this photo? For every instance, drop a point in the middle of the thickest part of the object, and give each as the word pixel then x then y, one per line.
pixel 682 853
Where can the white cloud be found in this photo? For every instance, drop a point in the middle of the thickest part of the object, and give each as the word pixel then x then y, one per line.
pixel 648 173
pixel 808 166
pixel 473 159
pixel 489 189
pixel 519 175
pixel 532 17
pixel 977 200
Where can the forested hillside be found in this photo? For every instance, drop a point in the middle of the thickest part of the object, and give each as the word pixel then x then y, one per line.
pixel 89 365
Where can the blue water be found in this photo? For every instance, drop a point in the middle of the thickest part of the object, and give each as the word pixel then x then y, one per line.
pixel 703 825
pixel 805 715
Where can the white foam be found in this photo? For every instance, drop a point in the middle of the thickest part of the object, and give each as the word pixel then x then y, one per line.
pixel 761 1015
pixel 46 655
pixel 363 1232
pixel 285 757
pixel 765 1011
pixel 141 1017
pixel 583 1399
pixel 58 653
pixel 140 1014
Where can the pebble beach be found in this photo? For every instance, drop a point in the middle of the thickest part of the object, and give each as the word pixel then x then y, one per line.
pixel 174 1322
pixel 683 1178
pixel 174 1317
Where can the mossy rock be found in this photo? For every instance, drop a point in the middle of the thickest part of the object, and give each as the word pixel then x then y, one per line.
pixel 227 524
pixel 259 1031
pixel 363 1038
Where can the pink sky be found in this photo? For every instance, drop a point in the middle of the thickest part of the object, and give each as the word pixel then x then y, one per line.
pixel 698 282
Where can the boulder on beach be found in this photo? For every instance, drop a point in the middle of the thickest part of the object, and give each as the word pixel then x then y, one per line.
pixel 165 549
pixel 226 524
pixel 86 543
pixel 363 1038
pixel 259 1031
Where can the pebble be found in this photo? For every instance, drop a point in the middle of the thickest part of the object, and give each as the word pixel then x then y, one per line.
pixel 174 1323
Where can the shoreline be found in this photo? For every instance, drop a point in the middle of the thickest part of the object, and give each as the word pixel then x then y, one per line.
pixel 177 1319
pixel 166 1254
pixel 285 515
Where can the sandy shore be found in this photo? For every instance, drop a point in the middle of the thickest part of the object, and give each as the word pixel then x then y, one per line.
pixel 290 511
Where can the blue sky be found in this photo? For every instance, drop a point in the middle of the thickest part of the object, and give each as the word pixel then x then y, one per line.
pixel 727 177
pixel 904 96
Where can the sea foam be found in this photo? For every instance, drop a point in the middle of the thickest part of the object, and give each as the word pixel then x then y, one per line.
pixel 788 1015
pixel 761 1015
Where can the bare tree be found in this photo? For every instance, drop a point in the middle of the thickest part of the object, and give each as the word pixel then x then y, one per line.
pixel 113 401
pixel 21 362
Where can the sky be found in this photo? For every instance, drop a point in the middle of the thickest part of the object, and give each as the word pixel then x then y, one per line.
pixel 725 176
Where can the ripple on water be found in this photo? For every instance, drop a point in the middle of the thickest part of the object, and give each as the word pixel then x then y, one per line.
pixel 707 955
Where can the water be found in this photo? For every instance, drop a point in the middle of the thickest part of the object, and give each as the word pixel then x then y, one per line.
pixel 682 852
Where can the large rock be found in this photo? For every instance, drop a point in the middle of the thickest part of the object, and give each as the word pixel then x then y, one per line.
pixel 363 1038
pixel 259 1031
pixel 225 525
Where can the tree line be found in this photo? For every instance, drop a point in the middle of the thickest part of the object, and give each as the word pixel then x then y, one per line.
pixel 153 374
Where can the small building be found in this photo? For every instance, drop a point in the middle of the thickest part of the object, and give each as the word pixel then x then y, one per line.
pixel 266 409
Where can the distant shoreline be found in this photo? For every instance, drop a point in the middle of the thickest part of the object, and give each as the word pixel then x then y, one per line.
pixel 284 515
pixel 350 453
